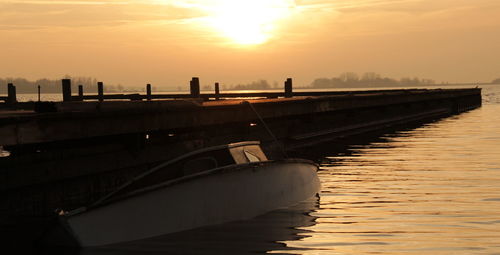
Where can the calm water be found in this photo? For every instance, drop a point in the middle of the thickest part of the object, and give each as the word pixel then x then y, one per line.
pixel 434 189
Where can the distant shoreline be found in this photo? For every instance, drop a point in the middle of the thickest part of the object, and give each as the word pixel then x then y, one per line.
pixel 279 89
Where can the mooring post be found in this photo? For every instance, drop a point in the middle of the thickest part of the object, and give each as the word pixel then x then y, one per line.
pixel 11 94
pixel 148 92
pixel 66 90
pixel 39 92
pixel 288 88
pixel 217 91
pixel 100 91
pixel 80 92
pixel 195 87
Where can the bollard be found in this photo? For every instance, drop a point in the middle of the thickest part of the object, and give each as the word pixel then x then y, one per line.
pixel 80 92
pixel 288 88
pixel 195 87
pixel 148 92
pixel 11 94
pixel 39 92
pixel 100 91
pixel 217 91
pixel 66 90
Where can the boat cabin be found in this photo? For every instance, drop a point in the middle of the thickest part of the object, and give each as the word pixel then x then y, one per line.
pixel 190 164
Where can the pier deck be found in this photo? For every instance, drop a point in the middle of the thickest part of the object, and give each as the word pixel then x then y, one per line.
pixel 80 120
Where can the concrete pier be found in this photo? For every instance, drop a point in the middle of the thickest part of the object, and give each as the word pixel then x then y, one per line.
pixel 65 154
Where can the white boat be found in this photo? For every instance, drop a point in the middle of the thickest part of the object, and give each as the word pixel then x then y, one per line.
pixel 205 187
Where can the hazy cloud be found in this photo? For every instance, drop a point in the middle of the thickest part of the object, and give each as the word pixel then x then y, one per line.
pixel 46 14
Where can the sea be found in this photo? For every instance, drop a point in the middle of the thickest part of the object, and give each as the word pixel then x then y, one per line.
pixel 433 188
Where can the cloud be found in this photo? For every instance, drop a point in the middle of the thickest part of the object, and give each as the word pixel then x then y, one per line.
pixel 39 14
pixel 402 6
pixel 388 16
pixel 333 18
pixel 17 14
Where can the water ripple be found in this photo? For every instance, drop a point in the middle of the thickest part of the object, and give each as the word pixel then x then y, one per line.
pixel 431 190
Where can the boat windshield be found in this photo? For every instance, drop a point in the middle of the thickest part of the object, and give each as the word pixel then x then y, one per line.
pixel 247 154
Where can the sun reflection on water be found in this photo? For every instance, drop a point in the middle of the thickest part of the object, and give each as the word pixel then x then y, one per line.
pixel 431 190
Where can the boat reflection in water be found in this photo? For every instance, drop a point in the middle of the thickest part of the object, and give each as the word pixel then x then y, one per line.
pixel 205 187
pixel 261 234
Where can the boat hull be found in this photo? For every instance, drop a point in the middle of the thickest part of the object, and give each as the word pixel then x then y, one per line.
pixel 242 192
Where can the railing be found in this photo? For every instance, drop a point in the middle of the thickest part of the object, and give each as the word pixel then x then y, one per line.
pixel 194 93
pixel 288 92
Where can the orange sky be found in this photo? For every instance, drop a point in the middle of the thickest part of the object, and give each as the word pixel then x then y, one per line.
pixel 166 42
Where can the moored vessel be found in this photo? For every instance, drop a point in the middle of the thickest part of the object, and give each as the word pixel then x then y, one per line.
pixel 205 187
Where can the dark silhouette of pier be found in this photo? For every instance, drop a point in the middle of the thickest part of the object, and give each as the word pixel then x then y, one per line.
pixel 65 154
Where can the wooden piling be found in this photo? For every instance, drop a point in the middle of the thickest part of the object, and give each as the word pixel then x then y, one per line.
pixel 217 91
pixel 148 92
pixel 80 92
pixel 288 88
pixel 66 90
pixel 39 92
pixel 195 87
pixel 100 91
pixel 11 94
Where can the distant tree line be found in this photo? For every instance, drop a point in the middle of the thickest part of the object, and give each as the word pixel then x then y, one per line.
pixel 256 85
pixel 54 86
pixel 344 80
pixel 353 80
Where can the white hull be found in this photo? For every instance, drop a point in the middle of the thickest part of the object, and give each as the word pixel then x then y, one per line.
pixel 224 196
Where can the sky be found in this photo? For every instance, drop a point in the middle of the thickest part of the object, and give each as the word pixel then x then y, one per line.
pixel 166 42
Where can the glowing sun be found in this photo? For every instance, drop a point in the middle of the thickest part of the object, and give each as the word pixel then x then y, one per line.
pixel 247 22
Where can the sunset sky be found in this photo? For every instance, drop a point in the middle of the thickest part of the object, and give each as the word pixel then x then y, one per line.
pixel 166 42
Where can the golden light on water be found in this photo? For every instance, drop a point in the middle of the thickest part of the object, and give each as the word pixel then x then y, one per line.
pixel 246 22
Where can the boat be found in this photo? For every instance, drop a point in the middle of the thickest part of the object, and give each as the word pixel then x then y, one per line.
pixel 205 187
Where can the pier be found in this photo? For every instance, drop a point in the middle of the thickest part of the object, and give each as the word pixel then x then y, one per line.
pixel 65 154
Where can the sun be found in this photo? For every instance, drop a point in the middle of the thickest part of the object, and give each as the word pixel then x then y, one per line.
pixel 247 22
